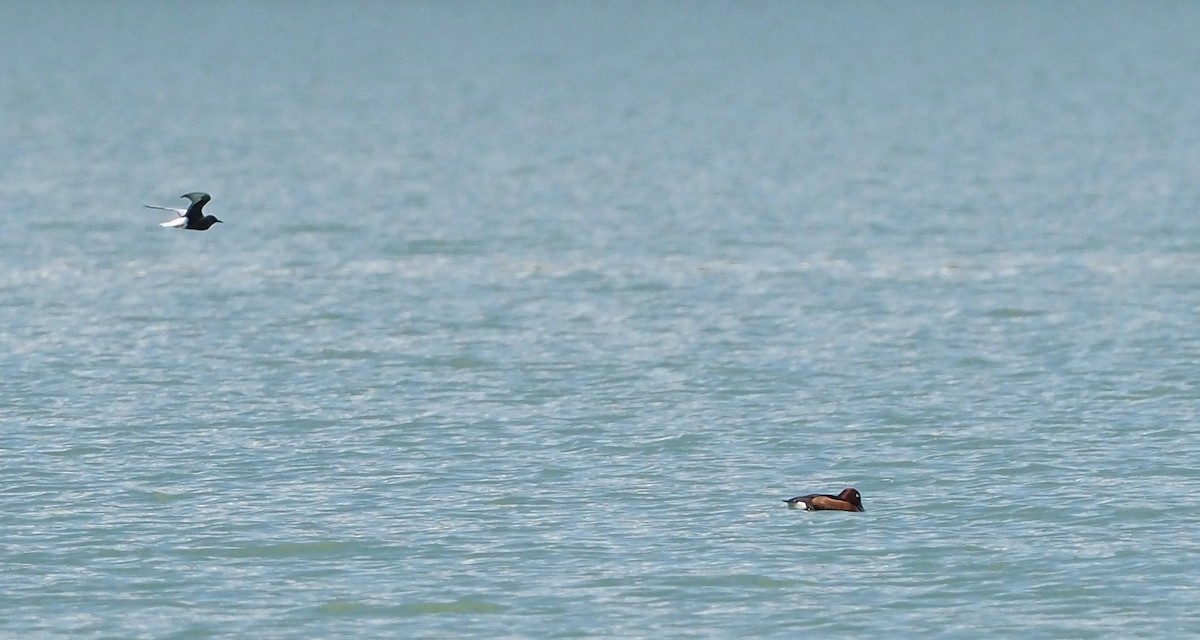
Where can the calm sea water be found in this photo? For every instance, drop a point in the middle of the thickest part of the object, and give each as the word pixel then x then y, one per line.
pixel 525 316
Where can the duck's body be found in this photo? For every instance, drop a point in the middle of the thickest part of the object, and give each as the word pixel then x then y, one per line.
pixel 848 500
pixel 190 218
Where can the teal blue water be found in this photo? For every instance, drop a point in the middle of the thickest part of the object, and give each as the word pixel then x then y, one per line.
pixel 526 316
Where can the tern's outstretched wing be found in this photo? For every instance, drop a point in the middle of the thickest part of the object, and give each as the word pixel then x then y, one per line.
pixel 199 199
pixel 180 212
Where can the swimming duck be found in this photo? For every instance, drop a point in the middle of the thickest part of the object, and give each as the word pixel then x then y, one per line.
pixel 847 500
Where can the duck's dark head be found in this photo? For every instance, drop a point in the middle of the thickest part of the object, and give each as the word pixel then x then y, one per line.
pixel 851 495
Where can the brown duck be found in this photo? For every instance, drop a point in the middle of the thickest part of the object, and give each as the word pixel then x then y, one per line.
pixel 847 500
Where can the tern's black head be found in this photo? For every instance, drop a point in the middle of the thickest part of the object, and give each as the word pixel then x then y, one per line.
pixel 202 224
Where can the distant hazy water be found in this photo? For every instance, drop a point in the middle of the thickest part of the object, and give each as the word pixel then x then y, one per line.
pixel 526 316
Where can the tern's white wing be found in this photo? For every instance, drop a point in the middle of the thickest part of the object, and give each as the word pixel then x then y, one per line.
pixel 182 212
pixel 177 222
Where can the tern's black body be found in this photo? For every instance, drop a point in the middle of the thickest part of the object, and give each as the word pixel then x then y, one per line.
pixel 195 220
pixel 192 217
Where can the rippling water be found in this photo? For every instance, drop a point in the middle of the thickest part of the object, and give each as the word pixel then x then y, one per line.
pixel 526 316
